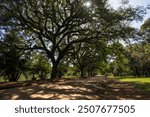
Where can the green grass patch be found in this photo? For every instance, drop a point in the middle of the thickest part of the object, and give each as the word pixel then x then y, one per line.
pixel 1 79
pixel 22 78
pixel 139 82
pixel 71 77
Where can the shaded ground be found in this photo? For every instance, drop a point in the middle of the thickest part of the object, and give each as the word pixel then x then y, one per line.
pixel 63 89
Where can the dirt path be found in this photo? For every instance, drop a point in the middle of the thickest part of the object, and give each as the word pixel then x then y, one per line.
pixel 91 88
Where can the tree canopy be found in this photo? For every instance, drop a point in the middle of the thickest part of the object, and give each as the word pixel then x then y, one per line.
pixel 55 27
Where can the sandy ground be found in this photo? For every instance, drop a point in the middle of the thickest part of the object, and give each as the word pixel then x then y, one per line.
pixel 95 88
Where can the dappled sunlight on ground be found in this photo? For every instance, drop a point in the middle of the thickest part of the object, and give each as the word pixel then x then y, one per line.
pixel 89 89
pixel 14 97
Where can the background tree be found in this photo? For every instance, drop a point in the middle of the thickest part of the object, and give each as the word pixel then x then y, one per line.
pixel 139 59
pixel 39 66
pixel 86 57
pixel 117 60
pixel 12 60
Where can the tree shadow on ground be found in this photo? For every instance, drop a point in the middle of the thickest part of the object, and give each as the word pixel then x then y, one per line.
pixel 143 85
pixel 96 88
pixel 125 90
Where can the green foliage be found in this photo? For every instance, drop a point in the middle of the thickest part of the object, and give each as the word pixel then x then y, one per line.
pixel 12 60
pixel 146 25
pixel 118 60
pixel 127 60
pixel 62 69
pixel 139 59
pixel 39 65
pixel 145 30
pixel 72 72
pixel 87 57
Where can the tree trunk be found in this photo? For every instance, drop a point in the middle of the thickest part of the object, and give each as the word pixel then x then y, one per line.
pixel 89 73
pixel 81 73
pixel 54 71
pixel 13 77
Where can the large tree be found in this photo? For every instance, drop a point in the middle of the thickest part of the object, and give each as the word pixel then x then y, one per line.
pixel 56 26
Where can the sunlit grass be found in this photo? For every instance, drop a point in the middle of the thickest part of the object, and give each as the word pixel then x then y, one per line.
pixel 139 82
pixel 1 79
pixel 71 77
pixel 22 78
pixel 135 79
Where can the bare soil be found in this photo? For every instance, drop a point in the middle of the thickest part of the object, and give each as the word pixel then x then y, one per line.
pixel 94 88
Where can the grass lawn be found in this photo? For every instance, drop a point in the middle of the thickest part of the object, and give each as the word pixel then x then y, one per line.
pixel 22 78
pixel 139 82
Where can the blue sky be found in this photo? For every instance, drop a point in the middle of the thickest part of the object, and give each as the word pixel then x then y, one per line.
pixel 134 3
